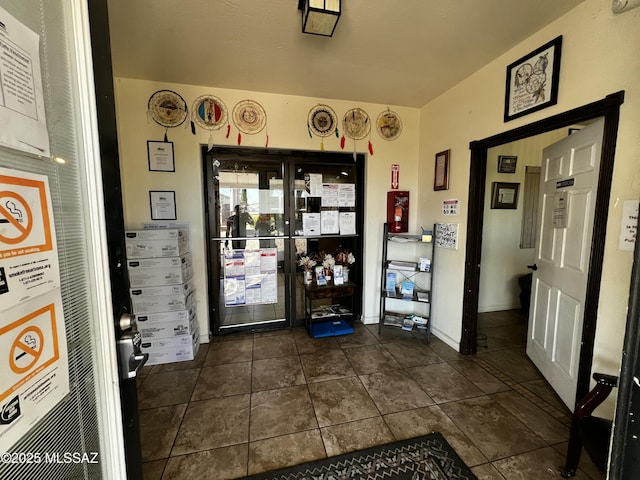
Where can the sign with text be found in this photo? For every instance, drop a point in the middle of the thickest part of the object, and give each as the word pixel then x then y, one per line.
pixel 28 253
pixel 35 372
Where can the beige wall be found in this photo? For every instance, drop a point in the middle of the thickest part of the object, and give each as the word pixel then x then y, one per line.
pixel 287 128
pixel 599 57
pixel 503 261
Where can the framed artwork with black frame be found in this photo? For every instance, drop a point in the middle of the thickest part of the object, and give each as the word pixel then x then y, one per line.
pixel 163 204
pixel 160 156
pixel 504 195
pixel 441 177
pixel 532 81
pixel 507 163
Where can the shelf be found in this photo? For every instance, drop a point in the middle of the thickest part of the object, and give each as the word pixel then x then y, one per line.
pixel 415 298
pixel 400 276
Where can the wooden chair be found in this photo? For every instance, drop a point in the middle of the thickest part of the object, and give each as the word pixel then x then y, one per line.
pixel 589 432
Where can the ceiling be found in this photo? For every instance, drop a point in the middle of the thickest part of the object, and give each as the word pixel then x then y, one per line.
pixel 402 52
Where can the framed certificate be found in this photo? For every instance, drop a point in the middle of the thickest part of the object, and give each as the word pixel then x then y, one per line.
pixel 160 156
pixel 163 204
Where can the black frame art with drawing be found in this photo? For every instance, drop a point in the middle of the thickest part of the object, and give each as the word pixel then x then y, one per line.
pixel 507 163
pixel 532 81
pixel 504 195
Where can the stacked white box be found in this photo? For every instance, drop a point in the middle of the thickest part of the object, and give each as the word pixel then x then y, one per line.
pixel 153 272
pixel 163 296
pixel 175 349
pixel 156 243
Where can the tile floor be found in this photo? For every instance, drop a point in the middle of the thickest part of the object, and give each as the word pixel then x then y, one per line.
pixel 257 402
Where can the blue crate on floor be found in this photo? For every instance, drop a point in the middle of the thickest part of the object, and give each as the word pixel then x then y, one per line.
pixel 341 327
pixel 321 329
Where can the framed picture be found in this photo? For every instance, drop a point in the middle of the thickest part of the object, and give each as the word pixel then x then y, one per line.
pixel 160 156
pixel 507 163
pixel 441 178
pixel 532 81
pixel 504 195
pixel 163 204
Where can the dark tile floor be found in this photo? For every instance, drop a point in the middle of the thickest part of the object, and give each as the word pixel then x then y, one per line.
pixel 258 402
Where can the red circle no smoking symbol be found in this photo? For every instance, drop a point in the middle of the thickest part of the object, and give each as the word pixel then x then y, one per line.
pixel 16 220
pixel 26 350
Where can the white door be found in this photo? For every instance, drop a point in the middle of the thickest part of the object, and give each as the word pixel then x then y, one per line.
pixel 59 398
pixel 568 186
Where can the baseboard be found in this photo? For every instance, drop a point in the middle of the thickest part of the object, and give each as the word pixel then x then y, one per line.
pixel 497 308
pixel 455 344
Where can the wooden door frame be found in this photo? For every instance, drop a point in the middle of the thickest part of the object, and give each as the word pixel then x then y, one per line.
pixel 609 108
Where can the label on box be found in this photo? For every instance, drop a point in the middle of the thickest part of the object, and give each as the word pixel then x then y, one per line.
pixel 178 316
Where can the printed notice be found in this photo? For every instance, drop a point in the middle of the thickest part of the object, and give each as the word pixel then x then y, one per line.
pixel 35 372
pixel 329 222
pixel 28 253
pixel 629 225
pixel 330 194
pixel 22 113
pixel 347 195
pixel 347 223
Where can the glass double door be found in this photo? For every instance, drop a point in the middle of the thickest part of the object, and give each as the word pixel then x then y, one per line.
pixel 259 227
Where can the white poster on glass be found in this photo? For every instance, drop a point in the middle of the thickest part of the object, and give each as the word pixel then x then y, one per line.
pixel 22 113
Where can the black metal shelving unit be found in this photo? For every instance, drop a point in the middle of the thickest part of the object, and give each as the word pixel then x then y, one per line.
pixel 407 271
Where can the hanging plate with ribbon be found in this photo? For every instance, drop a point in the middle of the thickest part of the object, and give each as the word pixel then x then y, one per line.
pixel 249 116
pixel 209 112
pixel 322 120
pixel 356 124
pixel 389 125
pixel 167 108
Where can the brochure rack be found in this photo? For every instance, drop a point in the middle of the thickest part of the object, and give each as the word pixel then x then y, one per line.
pixel 406 287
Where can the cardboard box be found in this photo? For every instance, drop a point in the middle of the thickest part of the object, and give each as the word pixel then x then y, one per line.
pixel 150 330
pixel 156 243
pixel 177 316
pixel 178 349
pixel 149 272
pixel 167 298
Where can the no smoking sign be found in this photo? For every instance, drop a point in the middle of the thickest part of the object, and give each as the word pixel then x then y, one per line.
pixel 25 216
pixel 30 345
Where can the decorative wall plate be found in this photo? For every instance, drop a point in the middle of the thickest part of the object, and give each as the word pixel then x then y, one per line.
pixel 209 112
pixel 167 108
pixel 249 116
pixel 389 125
pixel 356 124
pixel 322 120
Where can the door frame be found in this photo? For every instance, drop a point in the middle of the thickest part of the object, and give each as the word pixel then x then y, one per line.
pixel 609 108
pixel 290 156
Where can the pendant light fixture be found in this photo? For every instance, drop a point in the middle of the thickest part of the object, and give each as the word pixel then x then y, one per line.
pixel 320 17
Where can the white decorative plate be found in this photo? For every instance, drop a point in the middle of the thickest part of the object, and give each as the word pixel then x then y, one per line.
pixel 249 116
pixel 167 108
pixel 209 112
pixel 322 120
pixel 389 125
pixel 356 124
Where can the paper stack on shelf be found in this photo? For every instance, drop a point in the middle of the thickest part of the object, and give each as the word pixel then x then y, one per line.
pixel 401 265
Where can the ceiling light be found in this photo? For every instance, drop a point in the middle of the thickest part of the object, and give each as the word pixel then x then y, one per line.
pixel 319 17
pixel 59 160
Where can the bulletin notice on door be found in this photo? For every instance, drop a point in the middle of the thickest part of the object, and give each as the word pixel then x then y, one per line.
pixel 35 371
pixel 250 277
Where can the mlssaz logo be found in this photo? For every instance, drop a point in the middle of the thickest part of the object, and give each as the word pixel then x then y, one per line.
pixel 10 411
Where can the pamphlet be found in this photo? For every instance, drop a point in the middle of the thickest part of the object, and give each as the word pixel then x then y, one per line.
pixel 407 290
pixel 320 278
pixel 424 265
pixel 390 285
pixel 338 275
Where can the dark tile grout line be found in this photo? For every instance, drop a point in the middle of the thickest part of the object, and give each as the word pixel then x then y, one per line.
pixel 381 343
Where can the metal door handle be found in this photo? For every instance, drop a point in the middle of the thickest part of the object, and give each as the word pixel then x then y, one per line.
pixel 533 267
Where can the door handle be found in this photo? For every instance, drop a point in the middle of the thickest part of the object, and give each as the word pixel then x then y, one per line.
pixel 533 267
pixel 131 358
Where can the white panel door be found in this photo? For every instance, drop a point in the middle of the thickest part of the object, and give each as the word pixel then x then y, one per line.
pixel 568 185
